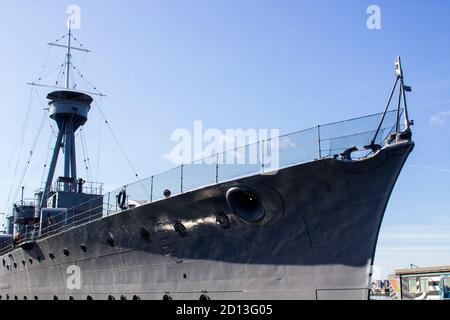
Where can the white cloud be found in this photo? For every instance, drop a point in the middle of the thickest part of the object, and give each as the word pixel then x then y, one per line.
pixel 429 231
pixel 433 251
pixel 440 118
pixel 415 236
pixel 429 167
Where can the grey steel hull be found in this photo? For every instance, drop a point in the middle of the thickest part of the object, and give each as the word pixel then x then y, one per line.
pixel 321 247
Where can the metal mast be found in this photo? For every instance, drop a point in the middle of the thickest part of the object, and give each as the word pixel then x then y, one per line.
pixel 401 99
pixel 68 56
pixel 69 109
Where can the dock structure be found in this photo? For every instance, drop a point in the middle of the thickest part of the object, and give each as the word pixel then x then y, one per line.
pixel 421 283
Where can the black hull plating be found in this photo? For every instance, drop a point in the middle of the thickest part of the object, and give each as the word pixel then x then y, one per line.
pixel 319 245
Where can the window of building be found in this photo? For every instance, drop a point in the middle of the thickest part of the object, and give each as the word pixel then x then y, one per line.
pixel 424 285
pixel 412 285
pixel 446 284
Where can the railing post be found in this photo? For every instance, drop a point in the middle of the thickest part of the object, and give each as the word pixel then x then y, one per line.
pixel 181 182
pixel 319 142
pixel 217 167
pixel 107 204
pixel 262 155
pixel 151 190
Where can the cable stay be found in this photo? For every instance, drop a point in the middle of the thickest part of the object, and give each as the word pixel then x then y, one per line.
pixel 65 67
pixel 45 161
pixel 30 156
pixel 49 149
pixel 85 155
pixel 19 157
pixel 11 157
pixel 67 86
pixel 121 148
pixel 99 144
pixel 44 109
pixel 34 170
pixel 98 93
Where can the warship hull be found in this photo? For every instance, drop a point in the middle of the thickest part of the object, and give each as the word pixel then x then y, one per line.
pixel 318 243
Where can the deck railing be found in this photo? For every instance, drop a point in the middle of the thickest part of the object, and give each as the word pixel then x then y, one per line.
pixel 325 141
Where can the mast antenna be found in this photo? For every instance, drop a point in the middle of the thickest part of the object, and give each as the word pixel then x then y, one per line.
pixel 68 56
pixel 69 48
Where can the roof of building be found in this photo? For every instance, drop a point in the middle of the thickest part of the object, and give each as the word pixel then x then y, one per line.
pixel 412 271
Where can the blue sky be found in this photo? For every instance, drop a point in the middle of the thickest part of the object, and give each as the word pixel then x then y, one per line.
pixel 241 64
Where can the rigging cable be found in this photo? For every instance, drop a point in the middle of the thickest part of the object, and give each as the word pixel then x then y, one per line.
pixel 44 64
pixel 20 151
pixel 111 130
pixel 85 156
pixel 121 148
pixel 44 158
pixel 44 109
pixel 47 74
pixel 81 46
pixel 43 75
pixel 30 156
pixel 44 171
pixel 5 173
pixel 100 131
pixel 89 84
pixel 61 70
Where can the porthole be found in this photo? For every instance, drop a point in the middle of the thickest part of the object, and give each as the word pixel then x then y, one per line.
pixel 223 220
pixel 204 297
pixel 246 204
pixel 167 297
pixel 260 206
